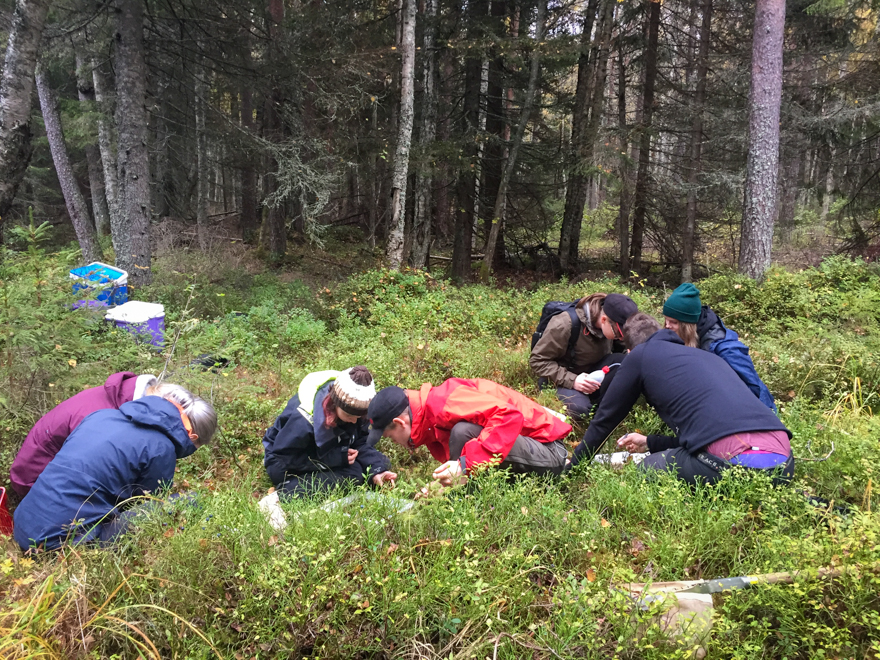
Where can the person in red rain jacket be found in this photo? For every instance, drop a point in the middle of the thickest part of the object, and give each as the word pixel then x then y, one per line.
pixel 469 422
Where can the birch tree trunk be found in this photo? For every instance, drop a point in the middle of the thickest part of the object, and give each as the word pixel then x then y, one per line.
pixel 696 148
pixel 133 159
pixel 425 180
pixel 394 248
pixel 640 203
pixel 100 213
pixel 107 148
pixel 76 205
pixel 510 163
pixel 16 90
pixel 763 160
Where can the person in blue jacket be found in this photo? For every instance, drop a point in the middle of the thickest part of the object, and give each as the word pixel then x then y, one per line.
pixel 320 439
pixel 699 327
pixel 111 457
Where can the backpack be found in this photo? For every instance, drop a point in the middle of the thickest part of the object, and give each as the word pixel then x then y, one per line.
pixel 550 310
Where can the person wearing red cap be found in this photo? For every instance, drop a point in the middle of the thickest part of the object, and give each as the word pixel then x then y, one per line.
pixel 466 423
pixel 576 343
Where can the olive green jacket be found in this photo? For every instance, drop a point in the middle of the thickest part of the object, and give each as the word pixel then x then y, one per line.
pixel 549 353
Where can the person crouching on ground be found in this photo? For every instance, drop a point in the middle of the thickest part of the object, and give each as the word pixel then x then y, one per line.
pixel 112 456
pixel 598 321
pixel 320 439
pixel 700 327
pixel 466 423
pixel 50 432
pixel 718 422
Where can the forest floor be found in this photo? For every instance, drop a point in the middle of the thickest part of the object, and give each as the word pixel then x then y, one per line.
pixel 493 570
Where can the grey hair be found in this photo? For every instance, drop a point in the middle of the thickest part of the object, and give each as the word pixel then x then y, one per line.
pixel 201 413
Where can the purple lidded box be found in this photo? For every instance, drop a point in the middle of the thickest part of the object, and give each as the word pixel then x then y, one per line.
pixel 144 320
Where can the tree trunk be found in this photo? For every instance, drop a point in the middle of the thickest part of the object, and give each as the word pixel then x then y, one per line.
pixel 763 161
pixel 201 92
pixel 76 205
pixel 575 190
pixel 425 180
pixel 248 224
pixel 133 172
pixel 510 163
pixel 106 148
pixel 274 230
pixel 625 167
pixel 16 89
pixel 641 195
pixel 466 185
pixel 579 183
pixel 100 212
pixel 394 249
pixel 696 148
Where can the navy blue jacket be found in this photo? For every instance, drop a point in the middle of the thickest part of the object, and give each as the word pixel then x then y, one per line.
pixel 112 455
pixel 698 396
pixel 295 445
pixel 725 343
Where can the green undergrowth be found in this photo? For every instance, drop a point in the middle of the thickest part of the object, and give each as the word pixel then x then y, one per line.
pixel 493 570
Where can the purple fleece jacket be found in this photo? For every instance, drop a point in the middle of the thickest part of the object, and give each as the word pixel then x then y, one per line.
pixel 49 434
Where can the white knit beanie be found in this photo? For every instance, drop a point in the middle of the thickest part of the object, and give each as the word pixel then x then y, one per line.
pixel 349 395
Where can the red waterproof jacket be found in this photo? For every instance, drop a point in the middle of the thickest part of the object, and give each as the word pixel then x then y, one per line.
pixel 503 413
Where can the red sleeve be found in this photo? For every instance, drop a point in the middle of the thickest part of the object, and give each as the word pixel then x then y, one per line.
pixel 501 423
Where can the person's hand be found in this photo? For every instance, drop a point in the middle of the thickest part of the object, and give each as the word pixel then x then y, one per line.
pixel 352 455
pixel 585 385
pixel 448 472
pixel 634 443
pixel 388 477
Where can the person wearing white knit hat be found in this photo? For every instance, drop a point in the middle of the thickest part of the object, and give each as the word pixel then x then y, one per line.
pixel 320 439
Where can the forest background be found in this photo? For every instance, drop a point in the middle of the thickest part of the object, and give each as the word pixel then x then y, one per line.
pixel 308 186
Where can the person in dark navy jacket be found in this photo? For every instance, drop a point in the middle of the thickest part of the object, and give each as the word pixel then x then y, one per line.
pixel 715 420
pixel 320 439
pixel 111 457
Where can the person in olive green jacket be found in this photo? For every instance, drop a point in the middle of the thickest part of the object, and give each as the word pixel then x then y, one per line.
pixel 600 321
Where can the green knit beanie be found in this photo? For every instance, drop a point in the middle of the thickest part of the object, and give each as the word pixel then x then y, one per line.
pixel 684 304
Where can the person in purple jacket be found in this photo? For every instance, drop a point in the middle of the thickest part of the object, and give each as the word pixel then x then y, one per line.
pixel 112 457
pixel 49 434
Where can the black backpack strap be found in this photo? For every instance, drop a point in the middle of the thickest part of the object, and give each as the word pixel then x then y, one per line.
pixel 573 337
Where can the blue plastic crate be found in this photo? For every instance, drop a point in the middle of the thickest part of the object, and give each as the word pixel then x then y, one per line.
pixel 110 282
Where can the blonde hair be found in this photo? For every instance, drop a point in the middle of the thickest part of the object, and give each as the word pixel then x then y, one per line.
pixel 688 334
pixel 201 413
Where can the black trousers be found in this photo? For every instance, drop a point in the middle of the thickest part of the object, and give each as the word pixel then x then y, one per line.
pixel 691 469
pixel 577 404
pixel 312 483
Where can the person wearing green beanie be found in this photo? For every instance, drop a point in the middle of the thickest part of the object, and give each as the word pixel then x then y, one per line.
pixel 699 327
pixel 684 304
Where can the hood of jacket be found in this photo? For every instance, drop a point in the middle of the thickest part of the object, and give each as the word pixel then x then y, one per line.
pixel 157 413
pixel 709 328
pixel 584 315
pixel 119 387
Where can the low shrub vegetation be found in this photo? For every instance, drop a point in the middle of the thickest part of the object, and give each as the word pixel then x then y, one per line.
pixel 496 569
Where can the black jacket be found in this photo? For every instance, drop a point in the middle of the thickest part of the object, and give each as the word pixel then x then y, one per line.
pixel 296 445
pixel 695 392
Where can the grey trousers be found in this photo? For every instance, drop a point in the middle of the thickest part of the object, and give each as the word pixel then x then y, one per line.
pixel 527 456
